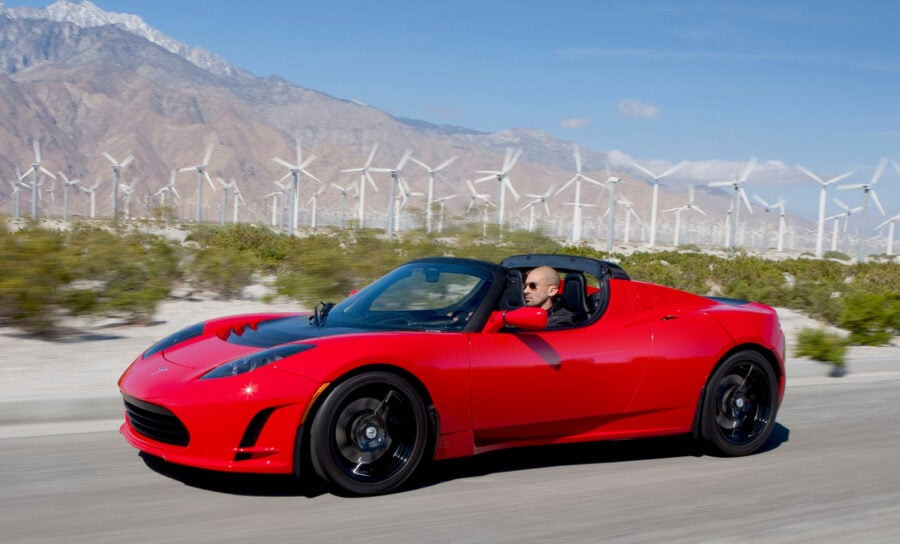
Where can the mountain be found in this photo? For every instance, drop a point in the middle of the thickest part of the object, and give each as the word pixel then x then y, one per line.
pixel 83 81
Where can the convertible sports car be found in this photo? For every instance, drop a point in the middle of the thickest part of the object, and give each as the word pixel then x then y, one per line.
pixel 441 358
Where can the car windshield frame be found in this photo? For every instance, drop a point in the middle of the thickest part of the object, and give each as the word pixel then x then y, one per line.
pixel 439 294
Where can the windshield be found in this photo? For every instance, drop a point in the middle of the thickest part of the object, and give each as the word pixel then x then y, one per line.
pixel 416 296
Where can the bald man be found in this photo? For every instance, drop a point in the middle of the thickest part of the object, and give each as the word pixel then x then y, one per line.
pixel 541 290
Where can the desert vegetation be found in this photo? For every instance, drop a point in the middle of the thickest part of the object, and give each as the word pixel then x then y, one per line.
pixel 109 270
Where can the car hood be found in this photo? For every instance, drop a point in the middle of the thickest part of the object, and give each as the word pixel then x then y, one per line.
pixel 222 344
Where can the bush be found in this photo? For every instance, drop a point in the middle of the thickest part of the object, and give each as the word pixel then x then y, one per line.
pixel 872 318
pixel 224 270
pixel 822 346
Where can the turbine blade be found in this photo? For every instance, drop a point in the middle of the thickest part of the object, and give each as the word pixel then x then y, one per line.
pixel 211 184
pixel 879 170
pixel 444 164
pixel 371 182
pixel 44 170
pixel 565 185
pixel 839 178
pixel 646 171
pixel 876 201
pixel 840 203
pixel 208 154
pixel 110 159
pixel 37 151
pixel 371 156
pixel 672 170
pixel 406 155
pixel 744 198
pixel 512 162
pixel 128 160
pixel 577 156
pixel 750 165
pixel 187 169
pixel 283 162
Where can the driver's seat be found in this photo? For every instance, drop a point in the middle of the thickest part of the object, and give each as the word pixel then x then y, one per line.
pixel 514 295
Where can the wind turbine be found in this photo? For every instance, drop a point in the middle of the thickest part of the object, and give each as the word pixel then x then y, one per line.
pixel 475 196
pixel 782 223
pixel 92 200
pixel 767 208
pixel 314 203
pixel 868 193
pixel 848 211
pixel 117 169
pixel 345 192
pixel 394 189
pixel 237 201
pixel 890 237
pixel 688 206
pixel 430 195
pixel 226 187
pixel 738 194
pixel 577 179
pixel 654 205
pixel 629 207
pixel 502 177
pixel 201 173
pixel 166 189
pixel 440 202
pixel 294 171
pixel 35 166
pixel 820 232
pixel 363 177
pixel 17 186
pixel 405 193
pixel 545 208
pixel 66 184
pixel 274 195
pixel 127 190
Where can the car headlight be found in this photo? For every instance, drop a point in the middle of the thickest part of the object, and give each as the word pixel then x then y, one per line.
pixel 257 360
pixel 174 339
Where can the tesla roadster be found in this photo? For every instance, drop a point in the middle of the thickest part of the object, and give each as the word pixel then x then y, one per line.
pixel 441 358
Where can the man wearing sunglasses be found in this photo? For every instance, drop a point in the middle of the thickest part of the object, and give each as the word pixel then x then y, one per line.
pixel 542 290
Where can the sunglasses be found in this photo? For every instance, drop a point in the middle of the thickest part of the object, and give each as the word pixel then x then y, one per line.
pixel 531 285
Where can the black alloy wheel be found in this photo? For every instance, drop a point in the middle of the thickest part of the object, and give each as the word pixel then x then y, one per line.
pixel 370 434
pixel 740 405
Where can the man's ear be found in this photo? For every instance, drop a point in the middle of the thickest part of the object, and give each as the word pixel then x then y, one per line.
pixel 552 290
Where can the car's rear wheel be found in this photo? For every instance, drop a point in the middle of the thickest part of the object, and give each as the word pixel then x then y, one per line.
pixel 370 434
pixel 740 405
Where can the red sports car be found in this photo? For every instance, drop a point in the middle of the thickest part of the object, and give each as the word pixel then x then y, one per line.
pixel 441 358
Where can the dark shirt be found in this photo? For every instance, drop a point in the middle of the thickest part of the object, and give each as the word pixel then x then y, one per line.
pixel 558 315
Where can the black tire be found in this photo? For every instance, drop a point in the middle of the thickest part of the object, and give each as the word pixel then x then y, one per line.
pixel 740 405
pixel 370 434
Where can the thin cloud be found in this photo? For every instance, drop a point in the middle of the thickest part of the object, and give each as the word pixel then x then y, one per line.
pixel 635 108
pixel 574 122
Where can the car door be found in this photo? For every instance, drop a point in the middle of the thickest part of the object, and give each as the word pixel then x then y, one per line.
pixel 552 383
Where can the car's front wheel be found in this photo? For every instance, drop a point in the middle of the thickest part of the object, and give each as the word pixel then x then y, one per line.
pixel 740 405
pixel 370 434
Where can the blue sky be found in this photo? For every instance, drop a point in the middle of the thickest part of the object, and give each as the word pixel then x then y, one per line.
pixel 800 82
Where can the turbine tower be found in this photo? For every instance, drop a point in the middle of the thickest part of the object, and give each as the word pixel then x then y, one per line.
pixel 868 194
pixel 345 192
pixel 820 232
pixel 166 189
pixel 767 208
pixel 848 211
pixel 545 208
pixel 611 182
pixel 117 169
pixel 655 202
pixel 502 177
pixel 738 194
pixel 577 205
pixel 294 171
pixel 201 173
pixel 430 196
pixel 363 177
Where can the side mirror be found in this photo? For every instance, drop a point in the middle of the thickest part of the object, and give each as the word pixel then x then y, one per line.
pixel 525 318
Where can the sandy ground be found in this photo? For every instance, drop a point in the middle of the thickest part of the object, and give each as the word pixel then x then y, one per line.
pixel 89 363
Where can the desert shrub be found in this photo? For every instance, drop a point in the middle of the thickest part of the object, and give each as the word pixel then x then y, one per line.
pixel 270 248
pixel 822 346
pixel 124 274
pixel 871 318
pixel 224 270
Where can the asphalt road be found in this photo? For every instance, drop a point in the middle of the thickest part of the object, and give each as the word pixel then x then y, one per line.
pixel 831 474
